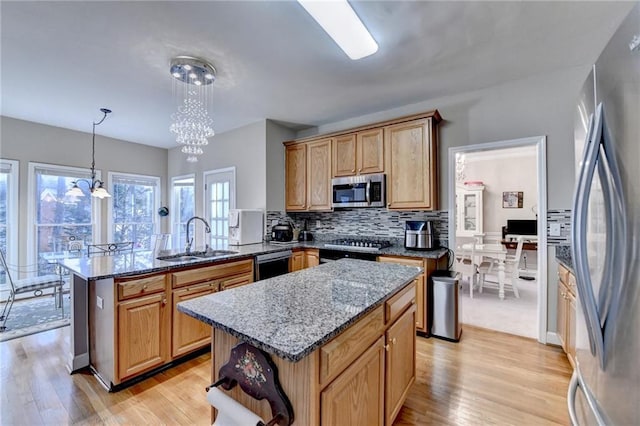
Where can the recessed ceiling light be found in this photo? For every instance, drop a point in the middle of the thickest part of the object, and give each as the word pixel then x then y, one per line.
pixel 339 20
pixel 187 67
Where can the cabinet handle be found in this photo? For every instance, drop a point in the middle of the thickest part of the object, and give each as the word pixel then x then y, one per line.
pixel 388 204
pixel 164 301
pixel 144 287
pixel 359 170
pixel 413 302
pixel 353 170
pixel 394 341
pixel 416 322
pixel 387 348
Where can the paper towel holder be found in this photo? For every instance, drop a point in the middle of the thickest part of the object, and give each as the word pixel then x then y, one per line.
pixel 257 376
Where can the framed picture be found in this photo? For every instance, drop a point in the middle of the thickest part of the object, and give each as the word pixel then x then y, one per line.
pixel 512 199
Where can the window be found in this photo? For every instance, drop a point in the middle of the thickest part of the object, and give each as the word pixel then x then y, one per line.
pixel 134 203
pixel 182 207
pixel 54 216
pixel 220 196
pixel 9 171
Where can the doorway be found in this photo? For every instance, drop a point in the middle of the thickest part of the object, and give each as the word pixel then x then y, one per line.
pixel 536 145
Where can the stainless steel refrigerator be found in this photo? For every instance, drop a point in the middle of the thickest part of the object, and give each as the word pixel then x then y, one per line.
pixel 605 386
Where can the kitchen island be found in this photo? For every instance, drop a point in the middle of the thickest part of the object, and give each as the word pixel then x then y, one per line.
pixel 341 334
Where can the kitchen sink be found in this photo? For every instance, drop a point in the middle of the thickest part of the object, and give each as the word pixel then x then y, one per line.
pixel 178 258
pixel 213 253
pixel 195 255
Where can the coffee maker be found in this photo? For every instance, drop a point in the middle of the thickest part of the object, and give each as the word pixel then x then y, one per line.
pixel 419 235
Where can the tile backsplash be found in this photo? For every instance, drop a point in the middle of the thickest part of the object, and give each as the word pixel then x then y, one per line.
pixel 384 224
pixel 365 222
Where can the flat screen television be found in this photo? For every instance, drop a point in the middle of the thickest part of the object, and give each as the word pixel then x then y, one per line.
pixel 522 226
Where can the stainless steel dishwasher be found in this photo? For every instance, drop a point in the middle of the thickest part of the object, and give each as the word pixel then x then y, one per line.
pixel 272 264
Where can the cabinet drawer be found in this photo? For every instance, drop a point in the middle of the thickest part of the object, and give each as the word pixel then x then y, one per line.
pixel 139 286
pixel 395 306
pixel 236 281
pixel 195 275
pixel 340 352
pixel 402 261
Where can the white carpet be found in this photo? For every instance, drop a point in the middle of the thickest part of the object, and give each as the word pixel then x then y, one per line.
pixel 511 315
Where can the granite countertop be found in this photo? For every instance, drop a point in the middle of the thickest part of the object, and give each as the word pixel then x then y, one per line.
pixel 292 315
pixel 144 262
pixel 563 255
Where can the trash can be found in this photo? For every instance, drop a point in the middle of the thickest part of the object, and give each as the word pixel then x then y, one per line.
pixel 445 305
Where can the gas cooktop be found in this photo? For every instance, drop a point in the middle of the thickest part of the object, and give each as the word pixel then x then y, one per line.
pixel 358 244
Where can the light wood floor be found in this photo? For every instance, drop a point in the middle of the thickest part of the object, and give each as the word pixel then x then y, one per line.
pixel 487 378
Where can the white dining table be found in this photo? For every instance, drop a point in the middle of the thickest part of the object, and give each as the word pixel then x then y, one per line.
pixel 493 251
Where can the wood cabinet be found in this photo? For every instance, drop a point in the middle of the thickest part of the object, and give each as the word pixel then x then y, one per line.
pixel 411 165
pixel 296 177
pixel 311 258
pixel 406 149
pixel 356 396
pixel 422 301
pixel 188 333
pixel 358 153
pixel 469 205
pixel 308 176
pixel 144 326
pixel 400 362
pixel 566 312
pixel 134 323
pixel 296 261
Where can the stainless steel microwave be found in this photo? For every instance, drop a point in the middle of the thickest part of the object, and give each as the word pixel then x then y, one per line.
pixel 359 191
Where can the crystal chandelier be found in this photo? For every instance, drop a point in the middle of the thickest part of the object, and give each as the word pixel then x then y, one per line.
pixel 192 88
pixel 94 185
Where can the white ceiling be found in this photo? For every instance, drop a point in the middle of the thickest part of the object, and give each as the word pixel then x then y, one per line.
pixel 62 61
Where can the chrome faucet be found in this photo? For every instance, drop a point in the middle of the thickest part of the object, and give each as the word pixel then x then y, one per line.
pixel 207 229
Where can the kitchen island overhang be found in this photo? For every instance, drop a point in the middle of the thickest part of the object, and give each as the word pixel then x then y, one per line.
pixel 324 327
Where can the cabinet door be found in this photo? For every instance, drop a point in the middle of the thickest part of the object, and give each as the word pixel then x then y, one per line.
pixel 143 334
pixel 296 261
pixel 355 397
pixel 188 333
pixel 421 290
pixel 344 155
pixel 319 175
pixel 296 177
pixel 561 318
pixel 411 160
pixel 311 258
pixel 370 151
pixel 236 281
pixel 400 363
pixel 570 338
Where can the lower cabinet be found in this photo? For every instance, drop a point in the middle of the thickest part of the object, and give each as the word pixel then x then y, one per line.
pixel 400 362
pixel 566 313
pixel 144 327
pixel 371 389
pixel 302 259
pixel 356 396
pixel 422 301
pixel 296 261
pixel 189 333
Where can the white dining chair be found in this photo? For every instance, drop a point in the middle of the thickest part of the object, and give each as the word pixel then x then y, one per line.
pixel 467 264
pixel 511 270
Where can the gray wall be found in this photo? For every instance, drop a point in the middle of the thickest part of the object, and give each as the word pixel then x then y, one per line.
pixel 276 134
pixel 244 148
pixel 539 105
pixel 26 141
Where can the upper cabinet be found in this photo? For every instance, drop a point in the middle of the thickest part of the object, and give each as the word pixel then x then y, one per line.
pixel 411 164
pixel 405 149
pixel 358 153
pixel 308 176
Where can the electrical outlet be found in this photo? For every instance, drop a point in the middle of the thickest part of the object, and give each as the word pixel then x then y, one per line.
pixel 99 302
pixel 554 229
pixel 318 224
